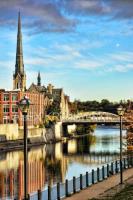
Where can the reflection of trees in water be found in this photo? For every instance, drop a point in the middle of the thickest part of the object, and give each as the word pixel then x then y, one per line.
pixel 84 143
pixel 85 128
pixel 107 140
pixel 52 166
pixel 53 170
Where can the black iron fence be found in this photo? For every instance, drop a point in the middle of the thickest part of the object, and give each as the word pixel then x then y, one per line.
pixel 83 181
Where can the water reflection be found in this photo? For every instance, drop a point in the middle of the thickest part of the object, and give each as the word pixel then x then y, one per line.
pixel 53 163
pixel 79 145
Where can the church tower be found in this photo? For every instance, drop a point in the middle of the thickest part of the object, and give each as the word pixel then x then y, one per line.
pixel 19 77
pixel 39 79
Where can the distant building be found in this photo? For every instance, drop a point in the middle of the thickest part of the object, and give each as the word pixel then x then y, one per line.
pixel 60 103
pixel 56 102
pixel 9 112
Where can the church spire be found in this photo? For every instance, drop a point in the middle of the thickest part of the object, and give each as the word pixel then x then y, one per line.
pixel 39 79
pixel 19 67
pixel 19 77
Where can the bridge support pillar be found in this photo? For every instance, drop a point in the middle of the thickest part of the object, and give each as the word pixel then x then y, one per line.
pixel 65 131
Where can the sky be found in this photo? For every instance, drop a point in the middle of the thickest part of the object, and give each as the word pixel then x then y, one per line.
pixel 82 46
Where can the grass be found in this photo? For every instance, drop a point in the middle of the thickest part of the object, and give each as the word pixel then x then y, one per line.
pixel 125 194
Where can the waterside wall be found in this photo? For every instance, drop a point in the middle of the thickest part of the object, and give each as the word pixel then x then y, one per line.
pixel 52 134
pixel 10 131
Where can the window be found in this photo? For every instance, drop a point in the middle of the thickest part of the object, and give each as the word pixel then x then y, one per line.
pixel 6 108
pixel 6 97
pixel 6 120
pixel 14 108
pixel 14 97
pixel 15 119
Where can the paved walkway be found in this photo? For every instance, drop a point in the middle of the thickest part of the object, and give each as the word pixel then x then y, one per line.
pixel 100 189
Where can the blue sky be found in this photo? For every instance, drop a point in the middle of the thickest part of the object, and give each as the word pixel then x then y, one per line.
pixel 83 46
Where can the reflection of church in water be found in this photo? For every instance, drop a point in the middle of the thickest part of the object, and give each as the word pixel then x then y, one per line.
pixel 46 165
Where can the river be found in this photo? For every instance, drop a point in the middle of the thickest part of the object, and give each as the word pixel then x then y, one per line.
pixel 54 163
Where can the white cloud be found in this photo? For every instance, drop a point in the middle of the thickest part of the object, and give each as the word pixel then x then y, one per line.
pixel 121 68
pixel 73 56
pixel 88 64
pixel 122 56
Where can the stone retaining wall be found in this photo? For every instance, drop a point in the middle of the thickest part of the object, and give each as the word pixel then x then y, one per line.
pixel 10 131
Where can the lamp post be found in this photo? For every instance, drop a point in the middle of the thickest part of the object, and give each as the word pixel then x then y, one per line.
pixel 120 111
pixel 24 105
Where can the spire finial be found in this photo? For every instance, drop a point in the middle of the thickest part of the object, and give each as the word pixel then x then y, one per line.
pixel 19 22
pixel 19 52
pixel 39 79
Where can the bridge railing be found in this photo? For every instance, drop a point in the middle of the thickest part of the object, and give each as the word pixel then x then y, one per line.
pixel 83 181
pixel 93 116
pixel 92 119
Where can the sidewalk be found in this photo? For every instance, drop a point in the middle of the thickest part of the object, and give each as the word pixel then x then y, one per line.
pixel 103 189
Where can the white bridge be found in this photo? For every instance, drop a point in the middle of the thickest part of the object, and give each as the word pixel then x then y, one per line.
pixel 92 117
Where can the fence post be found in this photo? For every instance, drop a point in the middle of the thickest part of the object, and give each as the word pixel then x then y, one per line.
pixel 112 168
pixel 103 174
pixel 124 163
pixel 87 177
pixel 116 166
pixel 128 162
pixel 131 161
pixel 98 174
pixel 66 188
pixel 107 170
pixel 74 184
pixel 81 182
pixel 58 191
pixel 39 195
pixel 49 192
pixel 92 173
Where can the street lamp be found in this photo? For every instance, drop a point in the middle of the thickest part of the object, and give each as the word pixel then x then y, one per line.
pixel 24 105
pixel 120 111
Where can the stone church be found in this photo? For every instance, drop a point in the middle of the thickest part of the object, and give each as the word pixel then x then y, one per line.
pixel 55 101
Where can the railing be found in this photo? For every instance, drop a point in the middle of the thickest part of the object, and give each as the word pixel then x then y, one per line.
pixel 76 120
pixel 70 187
pixel 92 118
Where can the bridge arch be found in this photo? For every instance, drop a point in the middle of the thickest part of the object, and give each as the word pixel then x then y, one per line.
pixel 94 116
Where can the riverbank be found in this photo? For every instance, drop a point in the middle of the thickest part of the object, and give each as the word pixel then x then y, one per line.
pixel 106 189
pixel 13 145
